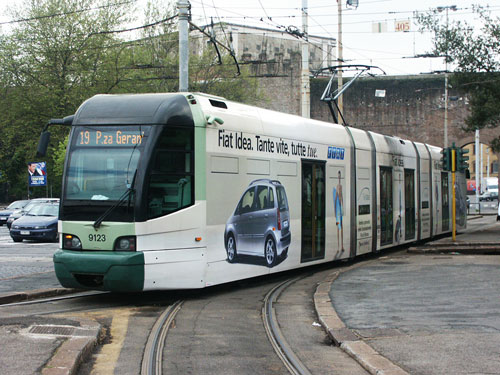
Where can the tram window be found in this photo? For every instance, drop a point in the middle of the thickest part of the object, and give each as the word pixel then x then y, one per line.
pixel 386 206
pixel 409 204
pixel 171 183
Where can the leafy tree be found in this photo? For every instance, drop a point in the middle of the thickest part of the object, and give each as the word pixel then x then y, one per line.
pixel 49 63
pixel 65 51
pixel 474 51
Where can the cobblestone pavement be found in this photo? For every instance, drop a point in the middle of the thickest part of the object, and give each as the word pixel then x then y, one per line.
pixel 26 265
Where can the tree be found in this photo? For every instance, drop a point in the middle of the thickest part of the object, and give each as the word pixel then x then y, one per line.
pixel 49 63
pixel 62 52
pixel 474 51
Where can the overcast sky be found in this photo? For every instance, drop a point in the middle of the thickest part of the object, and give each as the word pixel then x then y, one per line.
pixel 390 50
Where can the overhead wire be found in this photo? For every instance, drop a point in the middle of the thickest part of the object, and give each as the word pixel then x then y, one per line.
pixel 135 28
pixel 53 15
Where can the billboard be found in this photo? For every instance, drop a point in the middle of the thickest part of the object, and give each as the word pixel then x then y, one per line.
pixel 37 173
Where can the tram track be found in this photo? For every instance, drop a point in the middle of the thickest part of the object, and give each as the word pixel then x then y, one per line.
pixel 280 345
pixel 152 361
pixel 53 299
pixel 153 352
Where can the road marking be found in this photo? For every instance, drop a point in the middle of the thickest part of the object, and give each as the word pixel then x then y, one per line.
pixel 107 358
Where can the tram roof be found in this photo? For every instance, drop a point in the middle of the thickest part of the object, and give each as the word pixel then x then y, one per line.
pixel 135 109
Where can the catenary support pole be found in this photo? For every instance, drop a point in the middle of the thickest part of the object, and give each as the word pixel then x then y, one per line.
pixel 453 203
pixel 183 6
pixel 340 57
pixel 481 176
pixel 476 152
pixel 305 87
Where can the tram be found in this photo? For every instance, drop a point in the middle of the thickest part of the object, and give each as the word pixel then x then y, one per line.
pixel 184 190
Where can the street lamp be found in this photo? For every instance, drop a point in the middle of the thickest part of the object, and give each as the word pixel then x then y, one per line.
pixel 440 9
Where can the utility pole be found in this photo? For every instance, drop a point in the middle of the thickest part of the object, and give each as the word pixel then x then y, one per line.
pixel 340 57
pixel 477 164
pixel 440 9
pixel 481 178
pixel 305 87
pixel 453 193
pixel 488 164
pixel 446 106
pixel 183 6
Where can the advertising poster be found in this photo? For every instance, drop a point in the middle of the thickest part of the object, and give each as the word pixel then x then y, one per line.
pixel 37 173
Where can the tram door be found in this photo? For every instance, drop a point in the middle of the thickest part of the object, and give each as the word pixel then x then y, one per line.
pixel 445 207
pixel 313 210
pixel 409 204
pixel 386 206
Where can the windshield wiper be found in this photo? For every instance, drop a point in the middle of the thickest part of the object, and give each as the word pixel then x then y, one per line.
pixel 126 195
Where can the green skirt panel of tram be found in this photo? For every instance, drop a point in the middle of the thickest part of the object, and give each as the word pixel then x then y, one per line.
pixel 101 270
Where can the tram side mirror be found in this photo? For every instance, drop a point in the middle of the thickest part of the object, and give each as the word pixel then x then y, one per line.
pixel 43 143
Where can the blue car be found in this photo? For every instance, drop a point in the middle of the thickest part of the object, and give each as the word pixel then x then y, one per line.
pixel 39 223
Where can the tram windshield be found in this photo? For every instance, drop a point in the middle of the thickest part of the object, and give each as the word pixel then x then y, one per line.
pixel 103 161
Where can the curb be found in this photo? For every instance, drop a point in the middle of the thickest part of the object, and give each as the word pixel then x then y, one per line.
pixel 74 350
pixel 34 294
pixel 462 247
pixel 493 249
pixel 349 342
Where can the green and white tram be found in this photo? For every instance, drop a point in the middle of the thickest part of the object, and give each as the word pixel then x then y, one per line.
pixel 169 191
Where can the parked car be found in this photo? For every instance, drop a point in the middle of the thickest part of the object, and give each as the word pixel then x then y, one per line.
pixel 14 206
pixel 488 196
pixel 18 213
pixel 39 223
pixel 260 224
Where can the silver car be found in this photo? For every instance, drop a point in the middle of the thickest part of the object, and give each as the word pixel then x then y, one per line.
pixel 260 224
pixel 21 212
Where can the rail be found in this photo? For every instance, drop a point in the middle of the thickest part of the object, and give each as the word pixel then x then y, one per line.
pixel 278 341
pixel 152 359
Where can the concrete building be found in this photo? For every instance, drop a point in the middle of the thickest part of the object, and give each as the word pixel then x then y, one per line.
pixel 272 51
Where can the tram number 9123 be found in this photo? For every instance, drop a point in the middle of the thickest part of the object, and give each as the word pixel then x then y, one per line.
pixel 97 237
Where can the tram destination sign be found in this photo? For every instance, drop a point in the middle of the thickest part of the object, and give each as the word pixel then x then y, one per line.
pixel 108 138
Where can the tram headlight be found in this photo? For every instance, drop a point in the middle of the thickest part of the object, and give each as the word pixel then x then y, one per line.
pixel 71 242
pixel 125 244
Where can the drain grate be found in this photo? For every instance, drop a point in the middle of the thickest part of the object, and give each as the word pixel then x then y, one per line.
pixel 52 330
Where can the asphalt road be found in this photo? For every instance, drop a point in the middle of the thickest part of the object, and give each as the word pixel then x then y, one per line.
pixel 26 265
pixel 484 207
pixel 430 314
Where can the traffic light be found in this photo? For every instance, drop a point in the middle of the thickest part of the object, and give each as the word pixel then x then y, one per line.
pixel 446 159
pixel 462 163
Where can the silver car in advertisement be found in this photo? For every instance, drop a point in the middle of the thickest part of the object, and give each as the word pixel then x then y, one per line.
pixel 260 224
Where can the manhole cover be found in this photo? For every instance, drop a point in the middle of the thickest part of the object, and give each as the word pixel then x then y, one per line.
pixel 52 330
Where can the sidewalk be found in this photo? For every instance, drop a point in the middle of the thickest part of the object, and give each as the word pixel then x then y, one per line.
pixel 482 236
pixel 410 313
